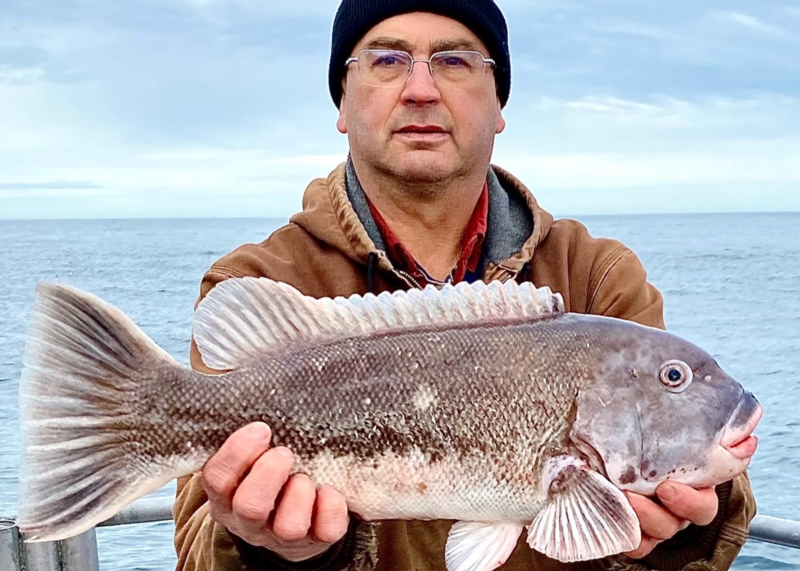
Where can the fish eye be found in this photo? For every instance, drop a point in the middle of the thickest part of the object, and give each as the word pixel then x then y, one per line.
pixel 676 376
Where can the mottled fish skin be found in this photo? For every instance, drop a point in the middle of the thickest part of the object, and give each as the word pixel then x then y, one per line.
pixel 429 423
pixel 466 410
pixel 451 411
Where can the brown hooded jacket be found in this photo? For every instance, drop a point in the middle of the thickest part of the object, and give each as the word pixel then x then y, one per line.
pixel 328 250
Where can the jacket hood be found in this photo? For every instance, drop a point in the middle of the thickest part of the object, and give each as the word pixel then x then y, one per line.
pixel 328 215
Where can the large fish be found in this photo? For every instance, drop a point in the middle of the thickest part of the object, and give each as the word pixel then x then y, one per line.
pixel 483 404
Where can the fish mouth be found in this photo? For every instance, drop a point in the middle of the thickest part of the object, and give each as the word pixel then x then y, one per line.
pixel 737 437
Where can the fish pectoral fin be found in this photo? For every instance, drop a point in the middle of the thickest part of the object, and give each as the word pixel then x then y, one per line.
pixel 473 546
pixel 586 517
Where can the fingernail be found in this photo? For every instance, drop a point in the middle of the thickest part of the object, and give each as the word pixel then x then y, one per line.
pixel 285 452
pixel 666 492
pixel 260 431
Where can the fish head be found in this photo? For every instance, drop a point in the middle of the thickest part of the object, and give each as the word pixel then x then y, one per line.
pixel 661 408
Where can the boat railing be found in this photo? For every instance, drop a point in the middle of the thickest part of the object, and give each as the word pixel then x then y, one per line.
pixel 80 553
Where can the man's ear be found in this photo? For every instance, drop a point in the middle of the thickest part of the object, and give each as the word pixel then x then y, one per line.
pixel 500 124
pixel 341 122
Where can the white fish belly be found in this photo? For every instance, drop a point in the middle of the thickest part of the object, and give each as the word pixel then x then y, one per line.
pixel 412 486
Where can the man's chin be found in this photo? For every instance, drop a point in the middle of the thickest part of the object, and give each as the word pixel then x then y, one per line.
pixel 424 167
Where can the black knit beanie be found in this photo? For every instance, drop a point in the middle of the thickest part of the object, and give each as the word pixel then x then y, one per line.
pixel 356 17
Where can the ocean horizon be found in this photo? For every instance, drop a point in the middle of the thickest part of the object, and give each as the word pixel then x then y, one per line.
pixel 576 216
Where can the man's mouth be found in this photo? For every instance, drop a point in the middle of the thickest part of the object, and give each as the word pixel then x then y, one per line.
pixel 428 133
pixel 421 129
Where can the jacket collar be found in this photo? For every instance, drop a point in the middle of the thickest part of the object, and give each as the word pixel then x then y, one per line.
pixel 335 211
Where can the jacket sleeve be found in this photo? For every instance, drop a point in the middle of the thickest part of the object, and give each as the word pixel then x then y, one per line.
pixel 202 544
pixel 622 291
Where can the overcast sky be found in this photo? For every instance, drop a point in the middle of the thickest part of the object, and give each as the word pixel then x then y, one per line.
pixel 220 107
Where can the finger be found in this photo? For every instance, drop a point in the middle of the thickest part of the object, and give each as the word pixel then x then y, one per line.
pixel 697 506
pixel 225 469
pixel 255 498
pixel 330 516
pixel 656 521
pixel 647 545
pixel 293 514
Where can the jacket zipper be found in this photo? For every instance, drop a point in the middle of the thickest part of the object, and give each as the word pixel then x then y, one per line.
pixel 505 279
pixel 410 278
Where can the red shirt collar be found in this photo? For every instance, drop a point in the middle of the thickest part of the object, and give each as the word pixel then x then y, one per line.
pixel 471 245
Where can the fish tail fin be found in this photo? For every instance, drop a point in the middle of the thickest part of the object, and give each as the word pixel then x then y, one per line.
pixel 86 365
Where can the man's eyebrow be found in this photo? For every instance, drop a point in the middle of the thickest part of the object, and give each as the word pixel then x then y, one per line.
pixel 385 43
pixel 454 44
pixel 444 45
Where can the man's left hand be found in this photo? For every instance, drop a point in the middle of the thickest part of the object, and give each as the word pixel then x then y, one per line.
pixel 680 506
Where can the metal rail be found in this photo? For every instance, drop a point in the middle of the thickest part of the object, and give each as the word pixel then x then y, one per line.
pixel 777 531
pixel 80 553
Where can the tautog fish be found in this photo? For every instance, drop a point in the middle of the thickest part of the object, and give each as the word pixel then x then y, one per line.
pixel 485 404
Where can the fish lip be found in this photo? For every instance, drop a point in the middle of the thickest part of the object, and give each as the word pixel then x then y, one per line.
pixel 740 442
pixel 744 449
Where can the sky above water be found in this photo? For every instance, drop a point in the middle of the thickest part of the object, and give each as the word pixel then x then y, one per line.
pixel 195 108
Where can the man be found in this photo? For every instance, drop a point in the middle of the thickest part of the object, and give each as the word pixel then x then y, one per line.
pixel 420 87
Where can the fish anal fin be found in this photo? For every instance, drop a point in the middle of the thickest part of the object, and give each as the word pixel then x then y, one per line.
pixel 474 546
pixel 586 517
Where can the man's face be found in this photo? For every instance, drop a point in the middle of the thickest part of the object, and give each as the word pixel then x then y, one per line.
pixel 423 131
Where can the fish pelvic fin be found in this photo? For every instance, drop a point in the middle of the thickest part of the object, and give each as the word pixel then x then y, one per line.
pixel 474 546
pixel 85 364
pixel 586 517
pixel 244 319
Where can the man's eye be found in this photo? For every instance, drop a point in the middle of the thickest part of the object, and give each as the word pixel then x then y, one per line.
pixel 387 61
pixel 455 61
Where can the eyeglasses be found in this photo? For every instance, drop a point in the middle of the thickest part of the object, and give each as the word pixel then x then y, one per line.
pixel 390 68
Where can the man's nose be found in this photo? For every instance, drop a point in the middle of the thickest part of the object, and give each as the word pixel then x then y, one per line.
pixel 420 87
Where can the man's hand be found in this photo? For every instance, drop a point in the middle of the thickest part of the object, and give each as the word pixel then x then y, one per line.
pixel 680 506
pixel 252 494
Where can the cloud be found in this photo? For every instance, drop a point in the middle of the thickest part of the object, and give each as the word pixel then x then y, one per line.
pixel 604 154
pixel 306 9
pixel 660 123
pixel 638 170
pixel 754 24
pixel 632 29
pixel 306 160
pixel 38 190
pixel 221 106
pixel 608 105
pixel 53 185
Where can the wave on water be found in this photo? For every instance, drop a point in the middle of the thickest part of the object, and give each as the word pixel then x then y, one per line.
pixel 757 563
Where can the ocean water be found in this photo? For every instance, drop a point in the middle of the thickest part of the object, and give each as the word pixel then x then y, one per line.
pixel 731 284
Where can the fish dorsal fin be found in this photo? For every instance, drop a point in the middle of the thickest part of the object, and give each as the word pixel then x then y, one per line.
pixel 242 319
pixel 586 517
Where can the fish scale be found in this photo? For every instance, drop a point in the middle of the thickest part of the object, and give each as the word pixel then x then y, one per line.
pixel 497 420
pixel 485 404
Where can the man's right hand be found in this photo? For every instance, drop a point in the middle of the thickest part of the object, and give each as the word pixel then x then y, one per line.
pixel 252 494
